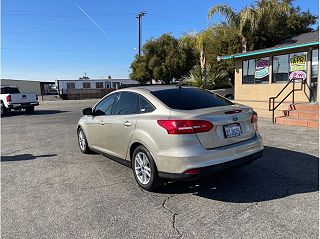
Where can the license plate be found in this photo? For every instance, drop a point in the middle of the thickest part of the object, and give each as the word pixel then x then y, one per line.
pixel 232 130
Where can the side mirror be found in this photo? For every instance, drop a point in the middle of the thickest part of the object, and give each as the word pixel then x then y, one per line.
pixel 87 111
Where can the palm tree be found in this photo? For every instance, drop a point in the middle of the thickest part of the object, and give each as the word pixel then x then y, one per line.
pixel 250 18
pixel 199 40
pixel 233 18
pixel 211 78
pixel 202 39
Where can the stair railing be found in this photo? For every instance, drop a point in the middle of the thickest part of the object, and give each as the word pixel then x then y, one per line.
pixel 303 85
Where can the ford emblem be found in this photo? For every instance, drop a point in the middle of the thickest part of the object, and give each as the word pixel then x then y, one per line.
pixel 234 118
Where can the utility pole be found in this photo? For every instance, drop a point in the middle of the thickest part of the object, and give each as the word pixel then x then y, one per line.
pixel 139 16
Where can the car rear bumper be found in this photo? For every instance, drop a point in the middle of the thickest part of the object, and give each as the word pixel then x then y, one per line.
pixel 177 161
pixel 212 169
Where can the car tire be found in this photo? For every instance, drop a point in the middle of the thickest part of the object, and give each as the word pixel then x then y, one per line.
pixel 144 169
pixel 3 110
pixel 82 142
pixel 30 109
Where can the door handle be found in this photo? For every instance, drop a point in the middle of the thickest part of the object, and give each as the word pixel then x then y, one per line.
pixel 127 124
pixel 101 122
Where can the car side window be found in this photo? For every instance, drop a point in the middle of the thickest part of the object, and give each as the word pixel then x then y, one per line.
pixel 106 105
pixel 127 104
pixel 145 106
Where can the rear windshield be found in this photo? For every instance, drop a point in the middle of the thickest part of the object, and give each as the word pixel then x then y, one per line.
pixel 190 98
pixel 9 90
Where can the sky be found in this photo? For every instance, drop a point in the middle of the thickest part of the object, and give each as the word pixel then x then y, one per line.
pixel 48 40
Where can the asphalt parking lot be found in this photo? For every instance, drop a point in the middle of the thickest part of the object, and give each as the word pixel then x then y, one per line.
pixel 50 190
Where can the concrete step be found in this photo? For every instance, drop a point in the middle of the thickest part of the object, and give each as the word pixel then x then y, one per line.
pixel 306 114
pixel 305 106
pixel 285 120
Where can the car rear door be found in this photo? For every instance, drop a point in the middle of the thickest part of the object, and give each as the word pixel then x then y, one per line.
pixel 122 123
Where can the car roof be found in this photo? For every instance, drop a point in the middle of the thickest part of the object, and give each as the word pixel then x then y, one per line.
pixel 153 88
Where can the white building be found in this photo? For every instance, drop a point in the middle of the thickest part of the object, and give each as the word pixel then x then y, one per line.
pixel 64 85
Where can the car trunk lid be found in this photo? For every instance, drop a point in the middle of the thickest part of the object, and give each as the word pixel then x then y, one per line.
pixel 232 124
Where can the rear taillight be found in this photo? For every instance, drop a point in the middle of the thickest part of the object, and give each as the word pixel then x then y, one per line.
pixel 8 98
pixel 185 126
pixel 193 171
pixel 254 117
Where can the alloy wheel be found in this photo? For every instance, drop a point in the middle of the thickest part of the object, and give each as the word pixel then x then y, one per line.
pixel 82 141
pixel 142 168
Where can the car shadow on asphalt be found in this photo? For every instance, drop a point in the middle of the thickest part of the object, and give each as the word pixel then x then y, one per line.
pixel 279 173
pixel 23 157
pixel 36 112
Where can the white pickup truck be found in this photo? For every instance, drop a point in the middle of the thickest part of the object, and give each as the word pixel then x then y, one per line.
pixel 12 99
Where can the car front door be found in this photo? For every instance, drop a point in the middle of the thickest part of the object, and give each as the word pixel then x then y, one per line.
pixel 122 123
pixel 97 124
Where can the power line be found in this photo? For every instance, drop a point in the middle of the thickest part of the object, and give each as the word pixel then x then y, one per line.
pixel 166 19
pixel 59 50
pixel 86 30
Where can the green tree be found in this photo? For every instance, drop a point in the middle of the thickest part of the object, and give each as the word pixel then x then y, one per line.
pixel 225 40
pixel 140 71
pixel 266 23
pixel 217 40
pixel 163 59
pixel 199 42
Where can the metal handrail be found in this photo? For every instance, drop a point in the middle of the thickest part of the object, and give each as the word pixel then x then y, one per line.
pixel 302 87
pixel 312 96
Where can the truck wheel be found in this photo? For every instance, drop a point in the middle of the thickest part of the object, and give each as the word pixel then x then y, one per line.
pixel 4 110
pixel 30 109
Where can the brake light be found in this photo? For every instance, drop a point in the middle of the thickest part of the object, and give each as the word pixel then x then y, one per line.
pixel 8 98
pixel 185 126
pixel 254 117
pixel 193 171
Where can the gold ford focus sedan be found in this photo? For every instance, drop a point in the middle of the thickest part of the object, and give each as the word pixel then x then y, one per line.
pixel 170 132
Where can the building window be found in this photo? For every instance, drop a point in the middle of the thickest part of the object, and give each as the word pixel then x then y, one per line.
pixel 71 86
pixel 116 85
pixel 261 74
pixel 255 71
pixel 107 85
pixel 286 66
pixel 248 71
pixel 314 65
pixel 280 71
pixel 99 84
pixel 86 85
